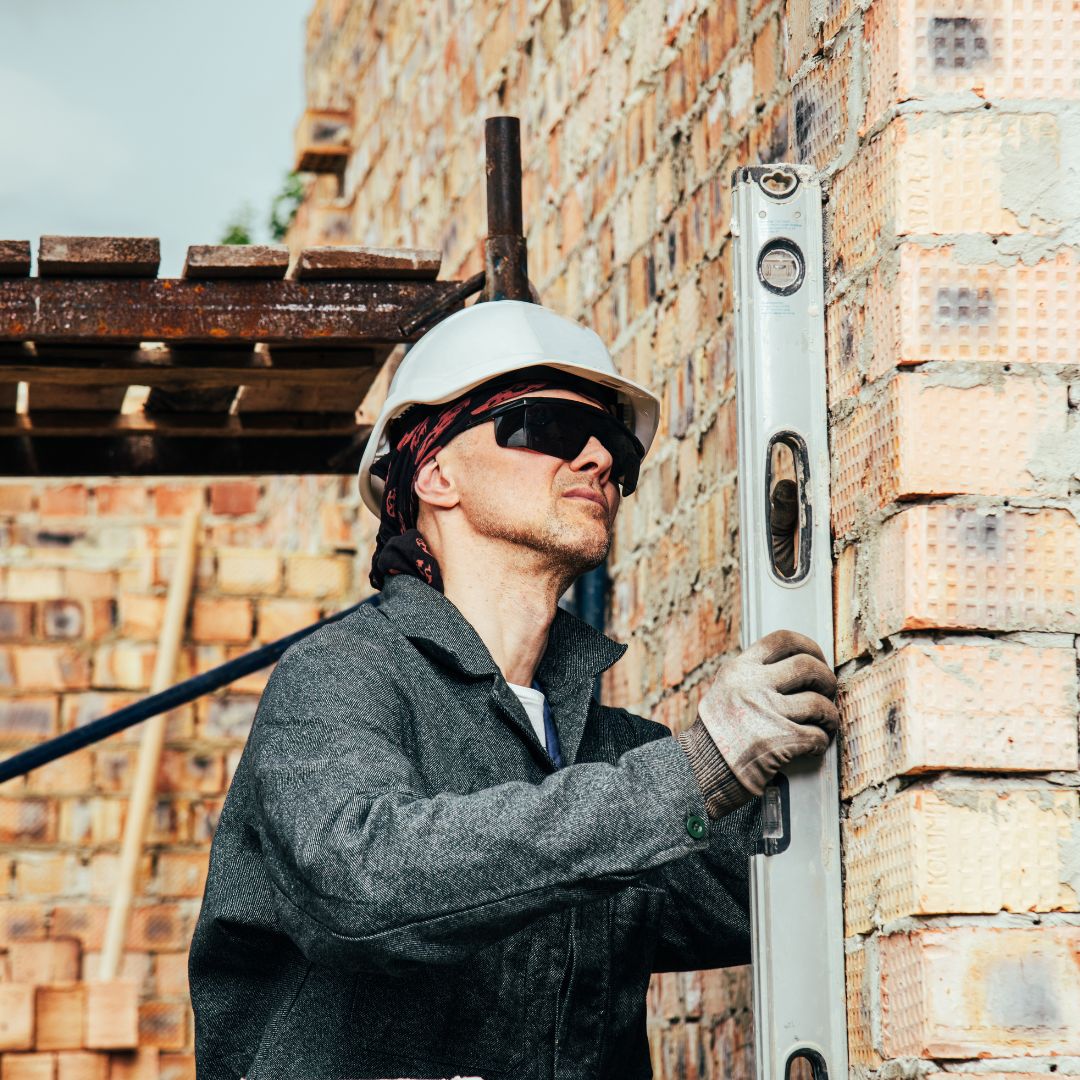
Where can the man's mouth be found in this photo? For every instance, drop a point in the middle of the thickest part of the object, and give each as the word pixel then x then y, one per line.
pixel 588 493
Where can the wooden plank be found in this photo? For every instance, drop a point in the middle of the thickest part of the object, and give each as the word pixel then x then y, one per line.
pixel 344 262
pixel 206 262
pixel 158 455
pixel 342 391
pixel 194 367
pixel 85 398
pixel 99 256
pixel 14 258
pixel 174 310
pixel 285 424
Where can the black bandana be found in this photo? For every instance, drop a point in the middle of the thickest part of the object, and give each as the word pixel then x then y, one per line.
pixel 417 435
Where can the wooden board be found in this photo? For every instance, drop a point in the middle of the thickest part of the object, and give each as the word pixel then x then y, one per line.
pixel 209 261
pixel 343 261
pixel 99 256
pixel 14 258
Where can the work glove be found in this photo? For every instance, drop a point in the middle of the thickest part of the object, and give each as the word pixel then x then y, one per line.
pixel 765 707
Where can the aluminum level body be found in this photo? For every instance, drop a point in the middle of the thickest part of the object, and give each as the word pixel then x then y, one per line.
pixel 798 946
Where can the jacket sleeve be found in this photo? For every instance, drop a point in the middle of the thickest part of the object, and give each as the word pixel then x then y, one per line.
pixel 370 872
pixel 706 915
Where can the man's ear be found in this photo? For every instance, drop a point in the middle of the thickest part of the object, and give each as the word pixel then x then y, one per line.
pixel 435 486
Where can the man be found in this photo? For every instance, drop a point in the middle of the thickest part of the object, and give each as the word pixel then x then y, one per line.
pixel 440 854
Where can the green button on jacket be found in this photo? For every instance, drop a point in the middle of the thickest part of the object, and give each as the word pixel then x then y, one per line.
pixel 696 826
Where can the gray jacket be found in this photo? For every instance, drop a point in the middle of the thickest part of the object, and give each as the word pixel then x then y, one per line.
pixel 402 884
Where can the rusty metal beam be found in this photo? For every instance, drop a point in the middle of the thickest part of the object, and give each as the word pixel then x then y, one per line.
pixel 505 258
pixel 110 311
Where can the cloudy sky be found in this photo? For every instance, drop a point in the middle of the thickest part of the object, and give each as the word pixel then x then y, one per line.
pixel 146 117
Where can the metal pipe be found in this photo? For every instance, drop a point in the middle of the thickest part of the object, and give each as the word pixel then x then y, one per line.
pixel 505 258
pixel 173 698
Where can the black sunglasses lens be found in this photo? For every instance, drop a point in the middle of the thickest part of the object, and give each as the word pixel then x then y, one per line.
pixel 563 430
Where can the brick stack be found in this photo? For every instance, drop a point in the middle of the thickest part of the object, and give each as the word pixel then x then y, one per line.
pixel 83 574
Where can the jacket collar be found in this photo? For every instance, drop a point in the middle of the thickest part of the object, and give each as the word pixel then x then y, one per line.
pixel 575 650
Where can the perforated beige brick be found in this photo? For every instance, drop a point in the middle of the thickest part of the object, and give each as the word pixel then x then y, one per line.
pixel 954 173
pixel 950 310
pixel 818 105
pixel 920 437
pixel 999 49
pixel 859 1010
pixel 964 852
pixel 980 992
pixel 997 707
pixel 965 568
pixel 866 189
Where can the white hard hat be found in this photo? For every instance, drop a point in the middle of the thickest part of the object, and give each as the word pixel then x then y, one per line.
pixel 489 339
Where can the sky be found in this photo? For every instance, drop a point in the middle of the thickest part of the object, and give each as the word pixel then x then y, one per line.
pixel 146 117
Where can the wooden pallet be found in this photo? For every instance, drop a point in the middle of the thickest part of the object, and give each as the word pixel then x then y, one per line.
pixel 247 363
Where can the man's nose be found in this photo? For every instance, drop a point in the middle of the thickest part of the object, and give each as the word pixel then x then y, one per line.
pixel 595 455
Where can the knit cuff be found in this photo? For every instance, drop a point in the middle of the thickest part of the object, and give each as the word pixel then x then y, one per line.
pixel 722 791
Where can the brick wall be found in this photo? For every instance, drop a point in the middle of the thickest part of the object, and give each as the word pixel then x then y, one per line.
pixel 84 569
pixel 948 136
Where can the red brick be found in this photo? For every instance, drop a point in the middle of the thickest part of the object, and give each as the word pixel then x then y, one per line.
pixel 177 1067
pixel 62 619
pixel 141 1064
pixel 159 926
pixel 83 921
pixel 59 1014
pixel 171 974
pixel 234 498
pixel 28 1067
pixel 112 1015
pixel 50 667
pixel 68 501
pixel 16 498
pixel 83 584
pixel 221 619
pixel 16 1017
pixel 40 962
pixel 27 719
pixel 81 1065
pixel 16 620
pixel 248 570
pixel 35 583
pixel 27 821
pixel 173 500
pixel 193 771
pixel 21 922
pixel 181 874
pixel 129 500
pixel 140 617
pixel 318 576
pixel 278 618
pixel 163 1024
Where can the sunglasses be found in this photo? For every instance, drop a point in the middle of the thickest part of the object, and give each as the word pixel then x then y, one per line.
pixel 561 428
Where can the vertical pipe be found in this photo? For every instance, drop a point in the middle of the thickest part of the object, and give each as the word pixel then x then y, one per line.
pixel 505 259
pixel 590 603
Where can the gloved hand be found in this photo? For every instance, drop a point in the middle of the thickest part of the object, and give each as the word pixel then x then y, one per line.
pixel 766 706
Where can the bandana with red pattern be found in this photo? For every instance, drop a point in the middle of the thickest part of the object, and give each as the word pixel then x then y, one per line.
pixel 417 436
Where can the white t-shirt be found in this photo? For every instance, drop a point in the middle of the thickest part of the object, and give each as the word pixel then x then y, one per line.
pixel 533 700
